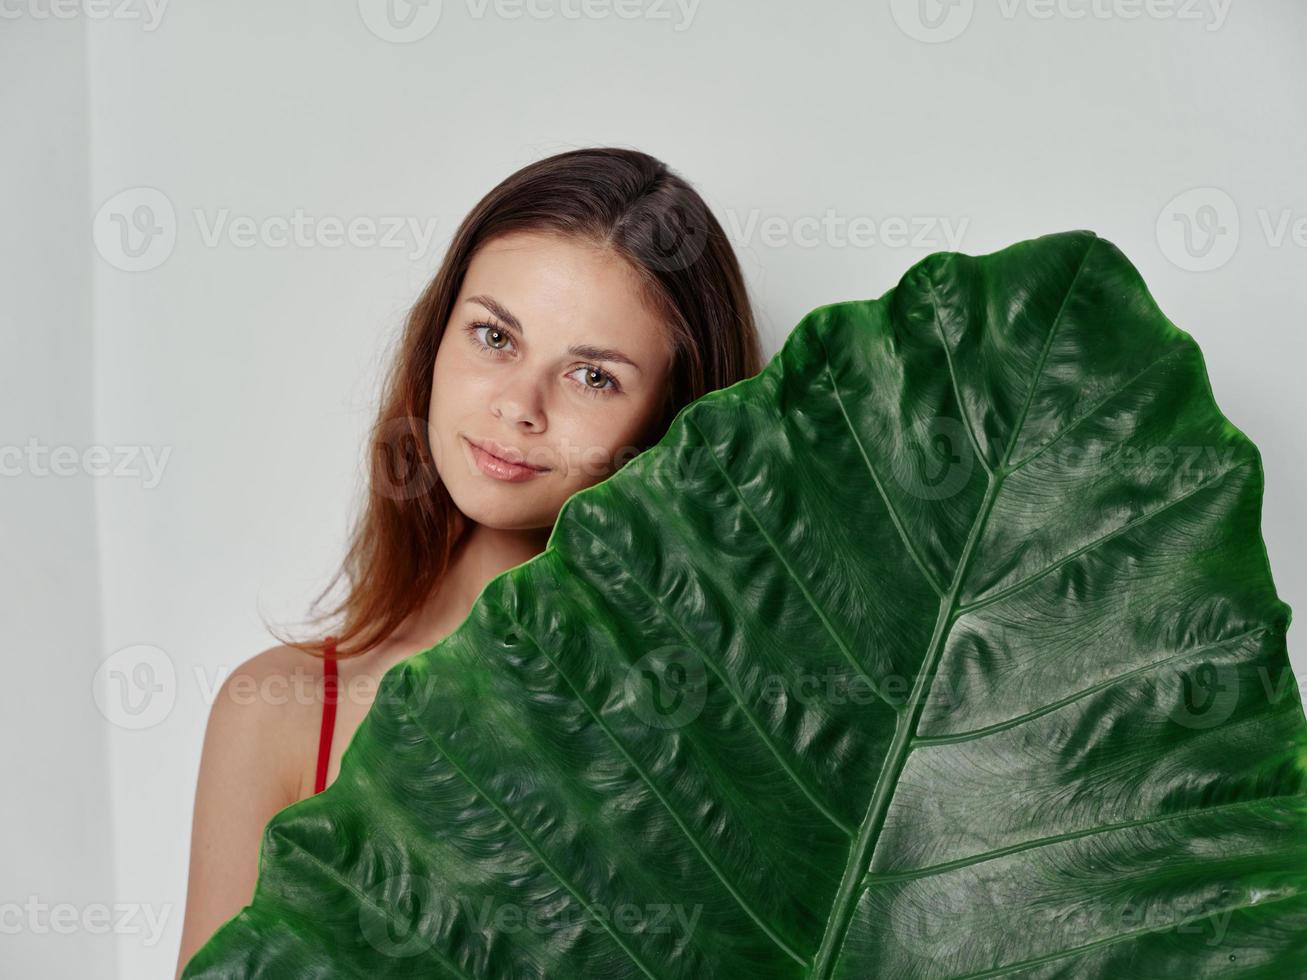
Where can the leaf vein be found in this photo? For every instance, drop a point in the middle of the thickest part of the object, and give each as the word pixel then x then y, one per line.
pixel 365 899
pixel 1043 355
pixel 1048 841
pixel 1097 542
pixel 1089 413
pixel 1013 722
pixel 1125 937
pixel 530 843
pixel 794 576
pixel 798 780
pixel 911 548
pixel 648 780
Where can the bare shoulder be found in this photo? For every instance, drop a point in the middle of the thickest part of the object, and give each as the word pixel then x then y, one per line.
pixel 275 661
pixel 266 713
pixel 260 727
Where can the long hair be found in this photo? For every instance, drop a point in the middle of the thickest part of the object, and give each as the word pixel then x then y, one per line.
pixel 401 544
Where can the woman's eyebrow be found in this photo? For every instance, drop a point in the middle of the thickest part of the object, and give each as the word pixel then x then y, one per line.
pixel 577 350
pixel 498 309
pixel 593 353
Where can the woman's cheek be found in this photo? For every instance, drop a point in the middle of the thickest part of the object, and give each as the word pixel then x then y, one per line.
pixel 595 447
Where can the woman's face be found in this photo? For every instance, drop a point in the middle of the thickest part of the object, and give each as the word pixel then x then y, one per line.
pixel 549 358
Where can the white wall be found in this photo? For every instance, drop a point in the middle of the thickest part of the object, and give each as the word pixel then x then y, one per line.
pixel 56 822
pixel 254 368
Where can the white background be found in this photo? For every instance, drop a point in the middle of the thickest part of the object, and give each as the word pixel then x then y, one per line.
pixel 255 367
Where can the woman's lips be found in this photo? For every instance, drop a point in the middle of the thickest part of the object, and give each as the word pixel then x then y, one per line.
pixel 500 469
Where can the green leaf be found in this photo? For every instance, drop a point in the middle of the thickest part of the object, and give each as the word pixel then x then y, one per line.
pixel 946 646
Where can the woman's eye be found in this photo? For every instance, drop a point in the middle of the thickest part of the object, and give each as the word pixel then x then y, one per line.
pixel 494 338
pixel 596 382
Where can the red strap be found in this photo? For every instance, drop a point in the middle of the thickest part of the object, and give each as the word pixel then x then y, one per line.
pixel 330 687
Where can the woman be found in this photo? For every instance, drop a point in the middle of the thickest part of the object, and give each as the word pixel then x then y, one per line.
pixel 582 303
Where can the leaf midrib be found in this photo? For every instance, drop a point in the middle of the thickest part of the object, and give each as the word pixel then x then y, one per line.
pixel 896 755
pixel 895 758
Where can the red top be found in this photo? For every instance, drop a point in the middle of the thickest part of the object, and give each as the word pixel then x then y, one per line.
pixel 330 687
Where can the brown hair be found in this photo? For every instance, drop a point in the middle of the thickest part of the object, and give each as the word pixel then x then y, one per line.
pixel 401 546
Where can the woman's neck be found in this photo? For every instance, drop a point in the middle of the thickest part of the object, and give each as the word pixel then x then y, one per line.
pixel 482 553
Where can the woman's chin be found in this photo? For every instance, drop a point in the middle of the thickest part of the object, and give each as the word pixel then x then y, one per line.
pixel 507 515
